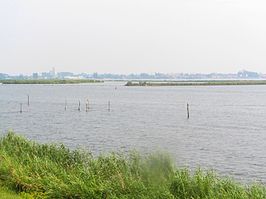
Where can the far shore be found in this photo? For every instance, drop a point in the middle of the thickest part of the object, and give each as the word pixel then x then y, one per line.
pixel 196 83
pixel 50 81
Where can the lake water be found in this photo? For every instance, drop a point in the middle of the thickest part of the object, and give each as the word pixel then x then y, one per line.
pixel 226 130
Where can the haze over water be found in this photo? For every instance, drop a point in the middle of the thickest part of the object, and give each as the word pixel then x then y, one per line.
pixel 225 132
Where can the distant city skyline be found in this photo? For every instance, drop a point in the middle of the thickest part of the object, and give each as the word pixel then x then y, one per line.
pixel 52 74
pixel 121 73
pixel 120 36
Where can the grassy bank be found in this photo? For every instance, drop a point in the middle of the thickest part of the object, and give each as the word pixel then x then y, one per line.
pixel 50 81
pixel 53 171
pixel 196 83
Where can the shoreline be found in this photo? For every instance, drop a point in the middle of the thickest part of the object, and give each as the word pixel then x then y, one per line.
pixel 51 81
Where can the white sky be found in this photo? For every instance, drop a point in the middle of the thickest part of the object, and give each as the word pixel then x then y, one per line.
pixel 122 36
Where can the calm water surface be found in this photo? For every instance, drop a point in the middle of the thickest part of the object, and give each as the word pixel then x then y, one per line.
pixel 226 130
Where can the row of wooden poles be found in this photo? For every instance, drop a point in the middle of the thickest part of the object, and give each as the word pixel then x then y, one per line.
pixel 88 106
pixel 79 105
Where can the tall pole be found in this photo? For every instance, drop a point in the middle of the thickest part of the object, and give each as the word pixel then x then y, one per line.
pixel 79 106
pixel 65 104
pixel 187 111
pixel 87 105
pixel 109 106
pixel 28 100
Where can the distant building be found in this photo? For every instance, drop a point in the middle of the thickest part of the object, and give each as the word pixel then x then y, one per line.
pixel 53 73
pixel 35 75
pixel 63 75
pixel 263 76
pixel 247 74
pixel 4 76
pixel 95 75
pixel 21 76
pixel 46 75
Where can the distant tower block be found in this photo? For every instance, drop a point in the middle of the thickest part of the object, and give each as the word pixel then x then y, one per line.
pixel 52 73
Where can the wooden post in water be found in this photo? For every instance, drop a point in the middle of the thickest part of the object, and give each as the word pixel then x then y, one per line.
pixel 28 100
pixel 20 108
pixel 187 111
pixel 79 106
pixel 65 105
pixel 109 105
pixel 87 106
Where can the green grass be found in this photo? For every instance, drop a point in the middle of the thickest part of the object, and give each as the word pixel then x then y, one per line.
pixel 53 171
pixel 196 83
pixel 7 194
pixel 50 81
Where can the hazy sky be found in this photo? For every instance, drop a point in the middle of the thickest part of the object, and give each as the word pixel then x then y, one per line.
pixel 122 36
